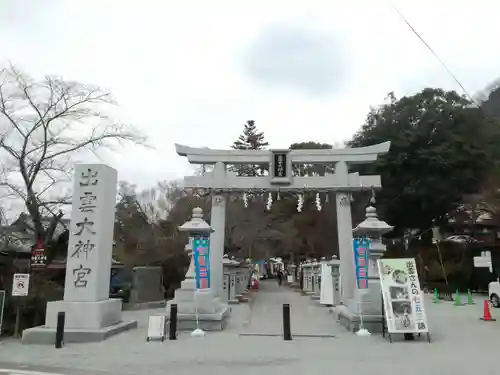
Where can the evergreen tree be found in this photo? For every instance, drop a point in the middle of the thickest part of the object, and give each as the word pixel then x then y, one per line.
pixel 250 139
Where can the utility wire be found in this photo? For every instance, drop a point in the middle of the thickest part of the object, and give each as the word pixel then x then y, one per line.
pixel 441 61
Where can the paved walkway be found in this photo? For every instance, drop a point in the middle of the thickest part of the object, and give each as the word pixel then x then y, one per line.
pixel 307 316
pixel 462 344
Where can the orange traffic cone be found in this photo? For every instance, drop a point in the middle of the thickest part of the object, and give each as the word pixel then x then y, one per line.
pixel 487 314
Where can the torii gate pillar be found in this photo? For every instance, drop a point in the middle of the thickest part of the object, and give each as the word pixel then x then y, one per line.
pixel 217 238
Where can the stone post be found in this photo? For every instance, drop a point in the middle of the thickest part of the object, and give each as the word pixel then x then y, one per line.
pixel 239 282
pixel 230 270
pixel 317 279
pixel 303 270
pixel 90 314
pixel 312 277
pixel 334 264
pixel 308 282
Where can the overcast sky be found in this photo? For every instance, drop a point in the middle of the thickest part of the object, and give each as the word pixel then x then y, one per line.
pixel 194 71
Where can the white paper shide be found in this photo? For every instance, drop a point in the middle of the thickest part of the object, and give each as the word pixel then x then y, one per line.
pixel 403 298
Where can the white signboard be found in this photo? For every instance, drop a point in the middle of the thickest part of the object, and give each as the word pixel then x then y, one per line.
pixel 20 284
pixel 157 327
pixel 403 298
pixel 326 289
pixel 483 261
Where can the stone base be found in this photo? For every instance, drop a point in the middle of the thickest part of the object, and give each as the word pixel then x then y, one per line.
pixel 84 322
pixel 352 321
pixel 145 305
pixel 315 297
pixel 233 301
pixel 212 313
pixel 85 315
pixel 207 322
pixel 45 335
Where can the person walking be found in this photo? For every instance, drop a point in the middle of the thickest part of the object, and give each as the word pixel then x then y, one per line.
pixel 280 277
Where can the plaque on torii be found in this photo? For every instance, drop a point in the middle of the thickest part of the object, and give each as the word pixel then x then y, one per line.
pixel 280 167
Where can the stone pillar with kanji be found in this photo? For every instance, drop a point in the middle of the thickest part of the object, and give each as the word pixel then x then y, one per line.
pixel 90 315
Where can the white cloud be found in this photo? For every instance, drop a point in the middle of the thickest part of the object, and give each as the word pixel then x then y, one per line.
pixel 175 66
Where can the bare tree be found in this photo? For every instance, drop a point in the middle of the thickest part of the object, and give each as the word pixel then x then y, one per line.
pixel 46 125
pixel 158 201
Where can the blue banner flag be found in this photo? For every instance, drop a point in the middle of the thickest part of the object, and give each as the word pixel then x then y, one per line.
pixel 361 247
pixel 201 254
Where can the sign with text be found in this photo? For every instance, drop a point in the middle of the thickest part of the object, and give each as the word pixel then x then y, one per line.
pixel 201 253
pixel 20 284
pixel 279 165
pixel 483 261
pixel 88 264
pixel 38 257
pixel 361 247
pixel 403 298
pixel 157 327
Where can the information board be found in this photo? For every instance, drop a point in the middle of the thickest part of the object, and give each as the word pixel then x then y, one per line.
pixel 403 298
pixel 157 327
pixel 20 284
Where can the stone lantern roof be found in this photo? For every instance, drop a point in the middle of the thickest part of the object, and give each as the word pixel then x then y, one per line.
pixel 230 262
pixel 196 224
pixel 334 261
pixel 371 226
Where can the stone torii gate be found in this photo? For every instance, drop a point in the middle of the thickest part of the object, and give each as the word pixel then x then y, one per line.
pixel 280 161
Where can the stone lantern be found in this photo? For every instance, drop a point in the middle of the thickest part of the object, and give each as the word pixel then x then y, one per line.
pixel 317 278
pixel 197 309
pixel 335 270
pixel 307 268
pixel 230 267
pixel 369 302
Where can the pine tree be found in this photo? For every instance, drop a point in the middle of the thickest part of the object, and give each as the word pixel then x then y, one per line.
pixel 250 139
